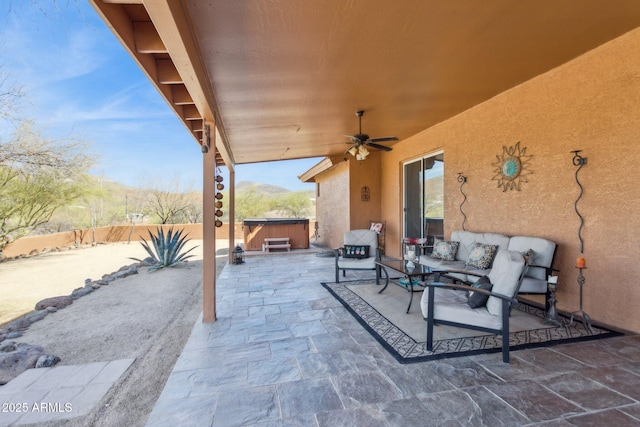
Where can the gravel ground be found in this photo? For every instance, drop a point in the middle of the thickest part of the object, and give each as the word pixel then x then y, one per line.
pixel 147 316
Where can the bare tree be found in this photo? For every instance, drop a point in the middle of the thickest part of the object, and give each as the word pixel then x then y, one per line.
pixel 168 201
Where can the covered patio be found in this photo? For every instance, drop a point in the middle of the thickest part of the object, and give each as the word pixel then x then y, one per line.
pixel 285 352
pixel 466 81
pixel 262 81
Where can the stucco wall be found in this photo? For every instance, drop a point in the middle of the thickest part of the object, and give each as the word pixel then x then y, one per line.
pixel 591 103
pixel 361 174
pixel 332 207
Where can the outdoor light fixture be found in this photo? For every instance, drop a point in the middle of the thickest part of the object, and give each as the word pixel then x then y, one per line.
pixel 238 255
pixel 360 153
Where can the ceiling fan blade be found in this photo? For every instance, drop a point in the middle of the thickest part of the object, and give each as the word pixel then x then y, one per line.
pixel 378 146
pixel 384 138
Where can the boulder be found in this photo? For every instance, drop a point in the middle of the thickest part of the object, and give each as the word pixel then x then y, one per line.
pixel 20 324
pixel 57 302
pixel 36 316
pixel 80 292
pixel 120 274
pixel 47 361
pixel 18 359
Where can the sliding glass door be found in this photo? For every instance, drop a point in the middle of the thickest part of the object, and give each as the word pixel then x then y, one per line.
pixel 424 198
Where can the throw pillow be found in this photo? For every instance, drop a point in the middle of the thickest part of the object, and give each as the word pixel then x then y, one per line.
pixel 444 250
pixel 356 251
pixel 378 227
pixel 528 256
pixel 481 256
pixel 477 299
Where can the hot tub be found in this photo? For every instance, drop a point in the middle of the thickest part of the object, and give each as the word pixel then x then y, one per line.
pixel 257 229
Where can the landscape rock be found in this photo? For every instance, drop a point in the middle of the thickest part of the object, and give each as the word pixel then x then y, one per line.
pixel 57 302
pixel 21 357
pixel 7 347
pixel 12 335
pixel 19 324
pixel 36 316
pixel 102 282
pixel 51 309
pixel 120 274
pixel 47 361
pixel 80 292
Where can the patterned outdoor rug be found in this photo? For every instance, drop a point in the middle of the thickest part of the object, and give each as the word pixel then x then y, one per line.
pixel 403 335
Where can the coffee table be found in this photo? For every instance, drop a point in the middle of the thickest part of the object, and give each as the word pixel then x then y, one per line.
pixel 410 274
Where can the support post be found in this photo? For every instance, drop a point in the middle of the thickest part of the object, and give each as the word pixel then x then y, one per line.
pixel 208 226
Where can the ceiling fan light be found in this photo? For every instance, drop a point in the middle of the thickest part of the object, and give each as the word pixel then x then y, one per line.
pixel 353 151
pixel 362 150
pixel 360 157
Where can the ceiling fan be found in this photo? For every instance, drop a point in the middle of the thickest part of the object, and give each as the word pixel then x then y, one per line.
pixel 360 141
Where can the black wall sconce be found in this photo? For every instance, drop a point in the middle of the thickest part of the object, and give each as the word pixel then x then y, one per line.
pixel 462 180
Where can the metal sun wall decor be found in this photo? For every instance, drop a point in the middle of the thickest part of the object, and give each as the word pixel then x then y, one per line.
pixel 511 167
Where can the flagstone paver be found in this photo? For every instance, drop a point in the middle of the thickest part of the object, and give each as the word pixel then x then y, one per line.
pixel 284 352
pixel 58 393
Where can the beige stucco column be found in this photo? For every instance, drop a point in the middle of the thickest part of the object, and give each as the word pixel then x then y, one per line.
pixel 208 225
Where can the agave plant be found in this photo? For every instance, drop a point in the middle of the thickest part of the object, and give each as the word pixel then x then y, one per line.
pixel 166 251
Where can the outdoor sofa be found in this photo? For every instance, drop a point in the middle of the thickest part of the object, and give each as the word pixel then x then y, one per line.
pixel 465 265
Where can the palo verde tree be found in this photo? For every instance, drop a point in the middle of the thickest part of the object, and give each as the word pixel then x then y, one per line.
pixel 37 176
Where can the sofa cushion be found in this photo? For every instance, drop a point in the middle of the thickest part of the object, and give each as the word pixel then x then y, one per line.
pixel 468 240
pixel 444 250
pixel 543 252
pixel 481 256
pixel 477 299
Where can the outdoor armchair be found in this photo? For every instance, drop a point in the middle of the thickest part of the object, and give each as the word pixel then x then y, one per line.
pixel 444 303
pixel 359 252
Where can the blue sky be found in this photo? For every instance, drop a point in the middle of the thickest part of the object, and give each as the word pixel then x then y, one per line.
pixel 79 81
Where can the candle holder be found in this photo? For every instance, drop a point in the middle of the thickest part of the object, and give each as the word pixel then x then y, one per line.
pixel 410 255
pixel 551 316
pixel 586 319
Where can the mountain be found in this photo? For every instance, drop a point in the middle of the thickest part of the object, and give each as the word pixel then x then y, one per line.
pixel 244 186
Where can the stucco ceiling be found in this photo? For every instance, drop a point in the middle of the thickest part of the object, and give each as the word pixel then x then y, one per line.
pixel 284 78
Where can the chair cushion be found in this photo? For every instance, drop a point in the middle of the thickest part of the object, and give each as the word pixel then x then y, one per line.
pixel 481 256
pixel 356 251
pixel 505 276
pixel 445 250
pixel 477 299
pixel 361 237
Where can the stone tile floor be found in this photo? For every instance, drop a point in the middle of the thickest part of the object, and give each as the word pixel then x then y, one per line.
pixel 284 352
